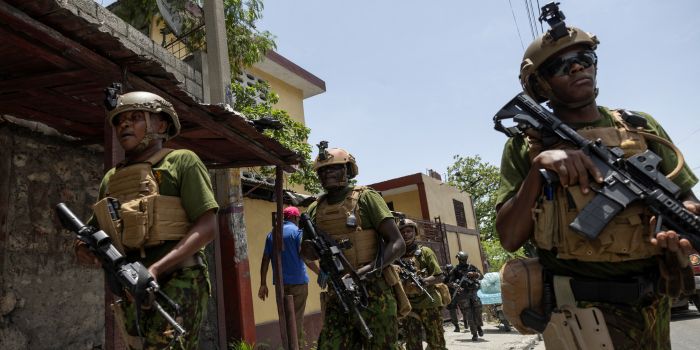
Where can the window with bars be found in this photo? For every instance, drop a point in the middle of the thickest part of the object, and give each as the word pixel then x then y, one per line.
pixel 460 215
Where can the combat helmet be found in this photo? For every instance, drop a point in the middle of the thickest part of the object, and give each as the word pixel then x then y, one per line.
pixel 331 156
pixel 547 45
pixel 146 101
pixel 408 222
pixel 462 256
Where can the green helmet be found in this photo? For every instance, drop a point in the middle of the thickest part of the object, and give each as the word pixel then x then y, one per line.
pixel 146 101
pixel 541 50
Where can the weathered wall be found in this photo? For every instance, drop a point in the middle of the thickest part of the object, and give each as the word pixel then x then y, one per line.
pixel 48 301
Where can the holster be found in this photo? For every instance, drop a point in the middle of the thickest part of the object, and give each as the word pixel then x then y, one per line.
pixel 574 328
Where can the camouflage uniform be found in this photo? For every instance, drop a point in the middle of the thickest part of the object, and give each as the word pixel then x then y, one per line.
pixel 467 300
pixel 341 332
pixel 638 326
pixel 426 314
pixel 181 173
pixel 189 288
pixel 339 329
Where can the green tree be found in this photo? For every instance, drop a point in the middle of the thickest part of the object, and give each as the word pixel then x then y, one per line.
pixel 480 179
pixel 246 46
pixel 256 102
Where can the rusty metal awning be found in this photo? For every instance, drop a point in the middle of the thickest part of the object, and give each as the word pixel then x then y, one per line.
pixel 58 56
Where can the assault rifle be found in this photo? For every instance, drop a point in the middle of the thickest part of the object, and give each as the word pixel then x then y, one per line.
pixel 123 277
pixel 460 286
pixel 337 271
pixel 625 180
pixel 407 272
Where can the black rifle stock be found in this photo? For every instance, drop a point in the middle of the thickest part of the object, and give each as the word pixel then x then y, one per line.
pixel 625 180
pixel 407 272
pixel 339 273
pixel 132 278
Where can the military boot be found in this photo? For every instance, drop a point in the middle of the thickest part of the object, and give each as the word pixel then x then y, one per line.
pixel 456 328
pixel 480 331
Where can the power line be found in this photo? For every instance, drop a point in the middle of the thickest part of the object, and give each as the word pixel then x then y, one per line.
pixel 534 16
pixel 540 7
pixel 529 17
pixel 516 25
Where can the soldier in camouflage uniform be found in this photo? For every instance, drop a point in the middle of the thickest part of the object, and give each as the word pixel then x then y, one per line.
pixel 465 279
pixel 426 314
pixel 629 271
pixel 176 184
pixel 360 215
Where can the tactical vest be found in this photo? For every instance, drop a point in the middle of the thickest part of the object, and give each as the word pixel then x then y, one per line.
pixel 626 237
pixel 342 222
pixel 144 218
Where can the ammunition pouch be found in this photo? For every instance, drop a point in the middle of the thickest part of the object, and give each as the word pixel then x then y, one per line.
pixel 144 222
pixel 391 277
pixel 444 293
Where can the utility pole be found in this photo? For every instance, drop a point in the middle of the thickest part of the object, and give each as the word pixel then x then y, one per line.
pixel 217 53
pixel 233 286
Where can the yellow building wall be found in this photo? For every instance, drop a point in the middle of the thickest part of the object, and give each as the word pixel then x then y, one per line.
pixel 406 202
pixel 291 98
pixel 258 221
pixel 469 244
pixel 440 195
pixel 452 238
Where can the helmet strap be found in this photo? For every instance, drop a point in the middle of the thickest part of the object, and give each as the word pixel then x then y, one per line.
pixel 151 134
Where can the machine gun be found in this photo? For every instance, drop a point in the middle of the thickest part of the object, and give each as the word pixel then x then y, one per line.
pixel 123 277
pixel 407 272
pixel 337 271
pixel 624 180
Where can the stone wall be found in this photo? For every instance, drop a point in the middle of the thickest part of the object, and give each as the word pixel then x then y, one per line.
pixel 47 300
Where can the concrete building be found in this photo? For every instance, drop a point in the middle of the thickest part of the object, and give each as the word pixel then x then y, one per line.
pixel 427 198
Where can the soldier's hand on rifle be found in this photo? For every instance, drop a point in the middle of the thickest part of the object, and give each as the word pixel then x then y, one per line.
pixel 572 166
pixel 84 255
pixel 672 241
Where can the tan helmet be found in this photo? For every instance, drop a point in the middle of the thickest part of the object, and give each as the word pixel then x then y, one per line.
pixel 408 222
pixel 146 101
pixel 334 156
pixel 542 49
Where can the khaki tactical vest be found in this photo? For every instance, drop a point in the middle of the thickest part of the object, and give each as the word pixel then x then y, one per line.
pixel 343 223
pixel 626 237
pixel 145 218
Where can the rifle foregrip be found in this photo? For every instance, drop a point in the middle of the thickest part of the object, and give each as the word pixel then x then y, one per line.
pixel 68 219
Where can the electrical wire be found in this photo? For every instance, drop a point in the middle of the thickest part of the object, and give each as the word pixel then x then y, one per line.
pixel 534 16
pixel 516 25
pixel 529 17
pixel 540 7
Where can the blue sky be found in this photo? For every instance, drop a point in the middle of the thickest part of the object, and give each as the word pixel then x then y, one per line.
pixel 412 83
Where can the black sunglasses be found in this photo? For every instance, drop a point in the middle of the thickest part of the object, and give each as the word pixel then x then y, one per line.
pixel 562 64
